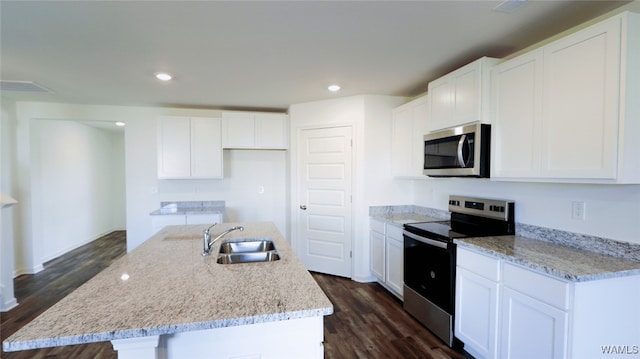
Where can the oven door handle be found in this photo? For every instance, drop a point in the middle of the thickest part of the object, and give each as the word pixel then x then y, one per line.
pixel 425 240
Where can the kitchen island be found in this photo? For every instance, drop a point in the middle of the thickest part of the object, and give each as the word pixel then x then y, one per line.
pixel 165 300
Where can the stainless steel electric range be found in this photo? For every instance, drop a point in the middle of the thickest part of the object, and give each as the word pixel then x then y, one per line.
pixel 430 257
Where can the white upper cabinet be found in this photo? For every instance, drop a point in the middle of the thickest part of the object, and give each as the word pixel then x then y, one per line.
pixel 189 147
pixel 409 125
pixel 461 96
pixel 568 111
pixel 253 130
pixel 517 117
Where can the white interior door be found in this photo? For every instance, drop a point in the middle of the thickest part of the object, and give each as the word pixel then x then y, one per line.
pixel 324 216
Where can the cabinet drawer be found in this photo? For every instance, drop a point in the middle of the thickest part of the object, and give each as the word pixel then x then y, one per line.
pixel 549 290
pixel 377 226
pixel 479 264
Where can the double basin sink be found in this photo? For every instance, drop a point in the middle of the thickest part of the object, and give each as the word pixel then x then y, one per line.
pixel 247 251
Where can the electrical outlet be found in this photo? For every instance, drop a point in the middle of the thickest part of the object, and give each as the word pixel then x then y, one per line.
pixel 578 210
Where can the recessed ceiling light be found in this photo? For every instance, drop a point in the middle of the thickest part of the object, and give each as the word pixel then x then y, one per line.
pixel 334 88
pixel 163 76
pixel 120 123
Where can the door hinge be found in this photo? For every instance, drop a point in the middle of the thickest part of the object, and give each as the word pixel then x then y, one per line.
pixel 350 254
pixel 351 143
pixel 351 199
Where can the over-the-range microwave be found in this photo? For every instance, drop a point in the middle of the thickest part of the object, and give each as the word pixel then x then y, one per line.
pixel 458 152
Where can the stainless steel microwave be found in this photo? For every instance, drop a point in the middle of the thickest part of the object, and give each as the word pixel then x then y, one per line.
pixel 458 152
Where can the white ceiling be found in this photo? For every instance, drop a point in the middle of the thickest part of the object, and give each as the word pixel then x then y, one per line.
pixel 262 54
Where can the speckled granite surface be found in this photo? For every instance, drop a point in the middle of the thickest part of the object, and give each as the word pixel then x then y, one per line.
pixel 399 215
pixel 171 288
pixel 189 207
pixel 555 259
pixel 581 241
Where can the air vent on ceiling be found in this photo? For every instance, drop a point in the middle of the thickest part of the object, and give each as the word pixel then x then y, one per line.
pixel 23 86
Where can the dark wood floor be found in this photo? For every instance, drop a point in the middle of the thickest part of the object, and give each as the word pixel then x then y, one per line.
pixel 368 321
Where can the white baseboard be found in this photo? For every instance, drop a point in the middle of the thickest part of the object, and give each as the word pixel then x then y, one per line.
pixel 8 305
pixel 33 270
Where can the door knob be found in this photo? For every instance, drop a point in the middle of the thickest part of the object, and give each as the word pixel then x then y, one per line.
pixel 303 207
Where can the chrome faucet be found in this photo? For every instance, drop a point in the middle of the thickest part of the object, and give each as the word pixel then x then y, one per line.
pixel 208 243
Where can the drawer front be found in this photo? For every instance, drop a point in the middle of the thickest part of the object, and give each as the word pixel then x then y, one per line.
pixel 377 226
pixel 480 264
pixel 536 285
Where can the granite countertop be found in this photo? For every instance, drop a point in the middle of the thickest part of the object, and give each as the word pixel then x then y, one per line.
pixel 558 260
pixel 189 207
pixel 403 214
pixel 166 286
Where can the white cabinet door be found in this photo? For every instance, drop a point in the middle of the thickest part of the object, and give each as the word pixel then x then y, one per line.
pixel 238 130
pixel 272 131
pixel 189 148
pixel 461 96
pixel 409 125
pixel 581 91
pixel 467 94
pixel 174 147
pixel 394 248
pixel 476 319
pixel 206 148
pixel 441 107
pixel 517 116
pixel 377 248
pixel 253 130
pixel 531 328
pixel 582 130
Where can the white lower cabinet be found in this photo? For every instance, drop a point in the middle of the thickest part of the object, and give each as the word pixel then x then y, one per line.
pixel 160 221
pixel 507 311
pixel 387 256
pixel 531 328
pixel 477 293
pixel 395 260
pixel 377 249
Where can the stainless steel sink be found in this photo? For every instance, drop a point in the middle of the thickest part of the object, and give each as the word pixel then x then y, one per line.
pixel 247 246
pixel 247 251
pixel 248 257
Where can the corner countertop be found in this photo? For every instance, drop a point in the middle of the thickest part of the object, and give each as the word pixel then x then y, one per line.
pixel 189 208
pixel 166 286
pixel 403 214
pixel 568 263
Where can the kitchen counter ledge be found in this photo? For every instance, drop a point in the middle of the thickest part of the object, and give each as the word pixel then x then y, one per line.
pixel 557 260
pixel 166 286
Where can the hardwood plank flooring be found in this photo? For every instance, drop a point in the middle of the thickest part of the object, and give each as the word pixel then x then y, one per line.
pixel 368 321
pixel 36 293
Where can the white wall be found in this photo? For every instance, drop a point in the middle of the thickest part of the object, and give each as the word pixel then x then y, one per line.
pixel 7 217
pixel 612 211
pixel 77 171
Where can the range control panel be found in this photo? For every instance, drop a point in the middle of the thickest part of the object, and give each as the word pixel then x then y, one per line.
pixel 490 208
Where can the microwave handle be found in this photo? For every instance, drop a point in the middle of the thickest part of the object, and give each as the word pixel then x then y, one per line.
pixel 461 143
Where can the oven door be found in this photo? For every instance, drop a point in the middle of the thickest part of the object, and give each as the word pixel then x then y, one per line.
pixel 429 269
